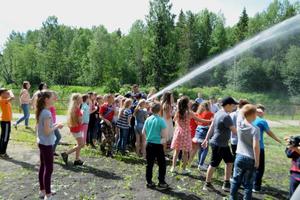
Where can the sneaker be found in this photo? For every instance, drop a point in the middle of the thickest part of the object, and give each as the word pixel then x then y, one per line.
pixel 78 162
pixel 256 190
pixel 5 156
pixel 202 167
pixel 49 197
pixel 185 171
pixel 16 126
pixel 150 185
pixel 41 195
pixel 27 127
pixel 65 158
pixel 173 170
pixel 163 186
pixel 208 187
pixel 226 186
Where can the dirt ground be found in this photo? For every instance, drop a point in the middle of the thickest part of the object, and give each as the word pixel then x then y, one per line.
pixel 102 178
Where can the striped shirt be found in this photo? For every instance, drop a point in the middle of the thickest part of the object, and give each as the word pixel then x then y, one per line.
pixel 123 119
pixel 295 168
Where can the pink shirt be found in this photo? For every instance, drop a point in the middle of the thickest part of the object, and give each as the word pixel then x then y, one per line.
pixel 53 114
pixel 24 97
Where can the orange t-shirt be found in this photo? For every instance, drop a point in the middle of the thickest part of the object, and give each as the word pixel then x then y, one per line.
pixel 205 115
pixel 6 113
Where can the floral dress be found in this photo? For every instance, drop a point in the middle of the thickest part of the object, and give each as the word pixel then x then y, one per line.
pixel 182 139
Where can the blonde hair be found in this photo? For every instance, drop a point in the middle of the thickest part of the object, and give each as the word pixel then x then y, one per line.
pixel 138 107
pixel 72 118
pixel 248 110
pixel 126 105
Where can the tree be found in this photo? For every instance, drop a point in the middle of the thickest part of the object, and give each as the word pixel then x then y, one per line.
pixel 242 26
pixel 162 50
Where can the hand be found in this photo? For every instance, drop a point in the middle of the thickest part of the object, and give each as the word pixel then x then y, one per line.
pixel 256 165
pixel 60 126
pixel 204 144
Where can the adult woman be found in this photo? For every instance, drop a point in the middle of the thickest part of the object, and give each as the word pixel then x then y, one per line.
pixel 24 101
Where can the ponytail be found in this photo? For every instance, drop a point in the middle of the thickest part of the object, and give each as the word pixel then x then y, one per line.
pixel 40 103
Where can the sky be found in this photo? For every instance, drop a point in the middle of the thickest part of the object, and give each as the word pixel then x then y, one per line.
pixel 24 15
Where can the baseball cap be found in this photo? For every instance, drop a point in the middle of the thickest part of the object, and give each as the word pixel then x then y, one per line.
pixel 229 100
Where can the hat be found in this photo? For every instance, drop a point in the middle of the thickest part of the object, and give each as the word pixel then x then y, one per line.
pixel 3 90
pixel 229 100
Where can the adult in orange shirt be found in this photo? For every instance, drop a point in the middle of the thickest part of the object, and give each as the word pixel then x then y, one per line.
pixel 6 116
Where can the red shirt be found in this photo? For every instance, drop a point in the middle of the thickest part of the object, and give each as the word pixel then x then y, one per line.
pixel 107 111
pixel 205 115
pixel 78 127
pixel 193 126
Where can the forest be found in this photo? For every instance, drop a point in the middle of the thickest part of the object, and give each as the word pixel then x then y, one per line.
pixel 156 51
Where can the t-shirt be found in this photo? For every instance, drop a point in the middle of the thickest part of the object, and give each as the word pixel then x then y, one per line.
pixel 205 115
pixel 86 113
pixel 53 114
pixel 263 126
pixel 42 138
pixel 193 126
pixel 107 111
pixel 214 108
pixel 221 124
pixel 77 128
pixel 6 112
pixel 246 133
pixel 140 118
pixel 153 127
pixel 24 97
pixel 123 120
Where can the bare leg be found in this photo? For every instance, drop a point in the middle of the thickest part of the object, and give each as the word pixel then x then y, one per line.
pixel 185 159
pixel 137 144
pixel 175 156
pixel 228 170
pixel 209 173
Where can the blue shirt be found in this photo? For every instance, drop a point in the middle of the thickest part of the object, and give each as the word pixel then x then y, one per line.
pixel 263 126
pixel 153 127
pixel 42 138
pixel 86 113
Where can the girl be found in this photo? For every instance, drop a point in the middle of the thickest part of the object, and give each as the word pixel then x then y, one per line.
pixel 56 132
pixel 193 126
pixel 182 135
pixel 201 131
pixel 91 133
pixel 45 140
pixel 25 101
pixel 140 115
pixel 86 116
pixel 74 120
pixel 124 124
pixel 167 114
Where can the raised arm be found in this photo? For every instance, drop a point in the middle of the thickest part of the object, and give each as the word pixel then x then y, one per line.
pixel 192 115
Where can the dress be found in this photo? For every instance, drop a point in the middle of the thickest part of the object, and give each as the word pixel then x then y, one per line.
pixel 170 127
pixel 182 139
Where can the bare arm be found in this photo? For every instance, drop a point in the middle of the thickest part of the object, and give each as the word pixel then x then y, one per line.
pixel 47 129
pixel 164 134
pixel 209 134
pixel 272 135
pixel 199 119
pixel 256 150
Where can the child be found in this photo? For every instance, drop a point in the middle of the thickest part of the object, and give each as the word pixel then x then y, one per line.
pixel 24 101
pixel 106 114
pixel 140 115
pixel 45 140
pixel 182 140
pixel 293 152
pixel 220 130
pixel 56 131
pixel 193 126
pixel 123 124
pixel 247 157
pixel 74 120
pixel 201 131
pixel 155 130
pixel 6 97
pixel 92 132
pixel 86 116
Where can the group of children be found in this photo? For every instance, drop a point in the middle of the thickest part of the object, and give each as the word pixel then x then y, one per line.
pixel 154 128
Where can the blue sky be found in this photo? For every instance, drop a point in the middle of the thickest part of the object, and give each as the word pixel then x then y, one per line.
pixel 23 15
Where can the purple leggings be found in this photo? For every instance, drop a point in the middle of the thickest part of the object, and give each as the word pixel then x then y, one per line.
pixel 46 167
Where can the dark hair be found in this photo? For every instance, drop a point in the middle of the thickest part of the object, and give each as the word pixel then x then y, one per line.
pixel 41 86
pixel 183 106
pixel 155 107
pixel 85 97
pixel 195 106
pixel 166 98
pixel 40 103
pixel 24 85
pixel 243 102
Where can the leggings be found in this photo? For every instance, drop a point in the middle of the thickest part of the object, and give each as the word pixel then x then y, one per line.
pixel 46 167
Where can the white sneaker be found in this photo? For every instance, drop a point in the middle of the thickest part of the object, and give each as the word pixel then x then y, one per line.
pixel 50 197
pixel 202 167
pixel 41 195
pixel 185 171
pixel 173 170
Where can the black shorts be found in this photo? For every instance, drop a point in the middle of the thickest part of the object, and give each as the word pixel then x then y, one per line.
pixel 219 154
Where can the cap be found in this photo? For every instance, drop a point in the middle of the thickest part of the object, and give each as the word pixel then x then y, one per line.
pixel 229 100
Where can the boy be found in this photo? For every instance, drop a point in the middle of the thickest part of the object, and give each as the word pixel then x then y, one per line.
pixel 293 152
pixel 155 129
pixel 247 154
pixel 220 130
pixel 6 116
pixel 262 124
pixel 106 114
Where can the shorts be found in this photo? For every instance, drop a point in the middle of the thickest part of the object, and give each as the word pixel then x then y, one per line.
pixel 200 134
pixel 138 130
pixel 219 154
pixel 78 135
